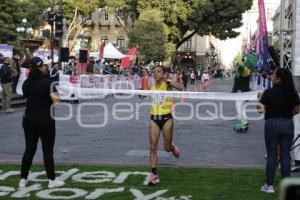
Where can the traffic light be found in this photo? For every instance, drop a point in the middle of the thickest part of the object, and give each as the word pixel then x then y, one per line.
pixel 51 16
pixel 59 25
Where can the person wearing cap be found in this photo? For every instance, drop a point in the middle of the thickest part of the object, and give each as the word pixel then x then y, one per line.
pixel 38 121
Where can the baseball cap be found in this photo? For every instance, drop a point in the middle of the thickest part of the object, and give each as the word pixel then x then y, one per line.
pixel 36 62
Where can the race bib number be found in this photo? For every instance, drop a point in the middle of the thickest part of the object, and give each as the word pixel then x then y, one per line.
pixel 158 99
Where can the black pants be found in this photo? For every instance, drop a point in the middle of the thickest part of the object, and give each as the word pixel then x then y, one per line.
pixel 192 81
pixel 35 128
pixel 14 85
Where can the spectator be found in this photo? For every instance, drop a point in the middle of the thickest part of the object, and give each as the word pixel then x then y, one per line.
pixel 26 63
pixel 6 84
pixel 193 77
pixel 280 103
pixel 1 59
pixel 54 73
pixel 38 122
pixel 15 72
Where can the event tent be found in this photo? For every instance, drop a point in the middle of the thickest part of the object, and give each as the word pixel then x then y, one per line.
pixel 111 52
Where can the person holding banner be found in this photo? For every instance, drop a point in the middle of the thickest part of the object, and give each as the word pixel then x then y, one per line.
pixel 161 120
pixel 280 104
pixel 38 121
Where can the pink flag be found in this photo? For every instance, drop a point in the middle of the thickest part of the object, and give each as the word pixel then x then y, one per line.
pixel 258 45
pixel 250 45
pixel 132 52
pixel 101 50
pixel 262 19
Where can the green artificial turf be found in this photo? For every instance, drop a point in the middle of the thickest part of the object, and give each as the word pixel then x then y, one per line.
pixel 198 183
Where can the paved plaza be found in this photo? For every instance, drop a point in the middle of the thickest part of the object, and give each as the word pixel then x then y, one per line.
pixel 211 143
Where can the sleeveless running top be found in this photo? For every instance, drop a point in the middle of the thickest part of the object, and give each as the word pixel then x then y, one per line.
pixel 161 105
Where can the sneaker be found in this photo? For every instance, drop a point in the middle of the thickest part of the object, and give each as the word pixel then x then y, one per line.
pixel 176 151
pixel 55 183
pixel 152 179
pixel 9 110
pixel 23 182
pixel 267 188
pixel 295 169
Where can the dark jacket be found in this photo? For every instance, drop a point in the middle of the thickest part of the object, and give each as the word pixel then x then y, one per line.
pixel 5 74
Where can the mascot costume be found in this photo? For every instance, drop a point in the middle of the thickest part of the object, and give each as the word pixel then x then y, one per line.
pixel 245 66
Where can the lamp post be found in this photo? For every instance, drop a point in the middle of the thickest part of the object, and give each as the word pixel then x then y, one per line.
pixel 25 29
pixel 83 40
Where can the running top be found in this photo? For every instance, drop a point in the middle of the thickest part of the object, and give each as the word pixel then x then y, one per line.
pixel 161 105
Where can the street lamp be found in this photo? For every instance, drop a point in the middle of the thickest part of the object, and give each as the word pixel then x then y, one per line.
pixel 83 40
pixel 26 29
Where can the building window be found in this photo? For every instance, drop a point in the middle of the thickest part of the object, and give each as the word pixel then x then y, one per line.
pixel 106 16
pixel 104 39
pixel 188 45
pixel 121 41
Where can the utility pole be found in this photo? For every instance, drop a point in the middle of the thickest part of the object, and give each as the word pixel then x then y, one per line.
pixel 51 18
pixel 59 25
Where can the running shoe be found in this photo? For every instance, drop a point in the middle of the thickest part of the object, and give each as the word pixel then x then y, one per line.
pixel 152 179
pixel 23 182
pixel 176 151
pixel 55 183
pixel 267 188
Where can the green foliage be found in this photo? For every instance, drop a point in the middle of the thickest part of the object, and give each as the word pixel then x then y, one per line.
pixel 150 35
pixel 11 14
pixel 85 7
pixel 204 17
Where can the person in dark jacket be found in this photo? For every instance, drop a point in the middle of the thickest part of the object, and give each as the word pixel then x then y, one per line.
pixel 54 73
pixel 280 104
pixel 6 84
pixel 38 121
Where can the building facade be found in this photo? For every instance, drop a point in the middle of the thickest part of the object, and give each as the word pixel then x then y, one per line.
pixel 198 52
pixel 101 27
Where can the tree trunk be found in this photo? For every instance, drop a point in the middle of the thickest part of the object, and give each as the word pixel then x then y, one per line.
pixel 183 40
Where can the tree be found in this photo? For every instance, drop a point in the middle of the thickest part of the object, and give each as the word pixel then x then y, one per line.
pixel 204 17
pixel 11 14
pixel 77 13
pixel 149 29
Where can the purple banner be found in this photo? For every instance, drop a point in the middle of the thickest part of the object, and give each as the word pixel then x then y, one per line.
pixel 6 50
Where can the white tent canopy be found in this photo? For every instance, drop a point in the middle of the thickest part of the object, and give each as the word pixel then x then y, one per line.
pixel 111 52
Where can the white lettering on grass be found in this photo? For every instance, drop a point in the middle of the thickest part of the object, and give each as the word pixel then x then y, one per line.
pixel 94 177
pixel 46 194
pixel 140 196
pixel 4 190
pixel 67 174
pixel 64 175
pixel 33 176
pixel 99 192
pixel 124 175
pixel 8 174
pixel 25 192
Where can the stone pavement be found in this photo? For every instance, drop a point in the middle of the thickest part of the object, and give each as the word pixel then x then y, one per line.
pixel 203 143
